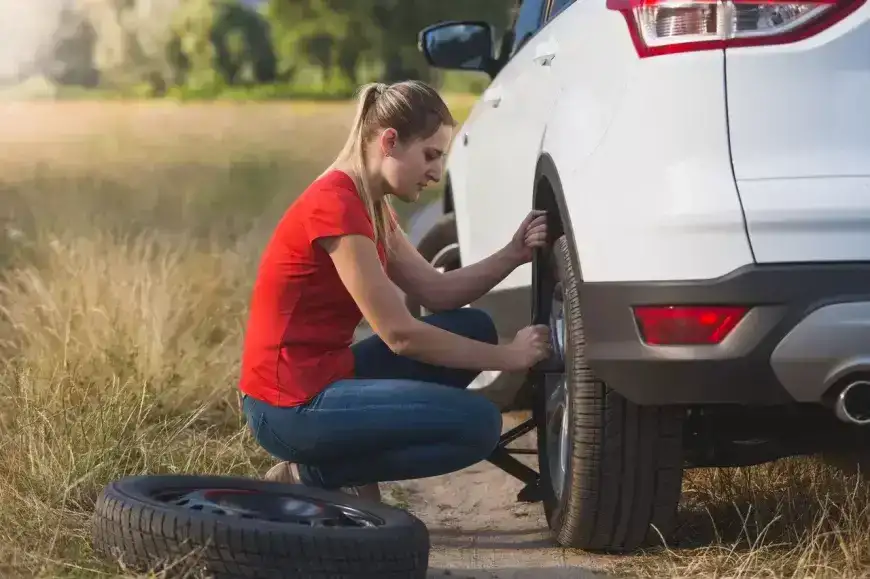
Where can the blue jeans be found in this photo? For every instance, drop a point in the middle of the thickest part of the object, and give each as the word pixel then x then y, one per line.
pixel 397 419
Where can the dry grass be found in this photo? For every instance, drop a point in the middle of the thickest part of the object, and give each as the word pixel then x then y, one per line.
pixel 792 518
pixel 129 236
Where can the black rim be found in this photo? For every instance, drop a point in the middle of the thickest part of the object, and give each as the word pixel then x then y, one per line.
pixel 273 507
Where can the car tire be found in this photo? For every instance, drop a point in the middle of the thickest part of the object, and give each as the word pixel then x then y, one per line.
pixel 440 247
pixel 143 522
pixel 617 467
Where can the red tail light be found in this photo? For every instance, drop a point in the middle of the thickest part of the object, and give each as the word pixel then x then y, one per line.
pixel 687 325
pixel 670 26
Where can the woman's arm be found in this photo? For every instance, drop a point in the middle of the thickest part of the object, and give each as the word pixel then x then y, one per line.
pixel 357 264
pixel 438 291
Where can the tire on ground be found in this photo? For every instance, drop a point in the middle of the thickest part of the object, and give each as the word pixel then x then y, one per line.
pixel 144 533
pixel 624 472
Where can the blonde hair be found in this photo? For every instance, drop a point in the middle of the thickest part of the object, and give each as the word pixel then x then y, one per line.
pixel 414 109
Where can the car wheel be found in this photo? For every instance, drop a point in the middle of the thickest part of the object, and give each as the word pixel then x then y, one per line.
pixel 440 247
pixel 240 527
pixel 611 471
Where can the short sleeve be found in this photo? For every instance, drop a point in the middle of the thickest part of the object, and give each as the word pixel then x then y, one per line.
pixel 336 212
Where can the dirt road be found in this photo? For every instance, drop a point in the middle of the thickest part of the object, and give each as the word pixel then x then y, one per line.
pixel 479 530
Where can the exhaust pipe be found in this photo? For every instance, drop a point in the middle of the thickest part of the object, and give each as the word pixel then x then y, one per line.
pixel 853 403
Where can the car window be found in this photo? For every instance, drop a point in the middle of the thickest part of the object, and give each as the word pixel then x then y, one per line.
pixel 529 20
pixel 558 6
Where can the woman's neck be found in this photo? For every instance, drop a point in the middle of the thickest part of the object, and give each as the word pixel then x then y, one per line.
pixel 373 180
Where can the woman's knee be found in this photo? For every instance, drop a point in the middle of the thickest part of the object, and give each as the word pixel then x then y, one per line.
pixel 484 426
pixel 471 323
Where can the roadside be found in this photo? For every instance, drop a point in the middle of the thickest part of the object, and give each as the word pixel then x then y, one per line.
pixel 479 530
pixel 477 527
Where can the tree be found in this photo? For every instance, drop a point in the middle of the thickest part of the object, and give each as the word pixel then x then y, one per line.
pixel 243 45
pixel 343 33
pixel 131 38
pixel 329 34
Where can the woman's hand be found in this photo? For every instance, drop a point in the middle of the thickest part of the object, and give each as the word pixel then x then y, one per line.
pixel 531 234
pixel 530 346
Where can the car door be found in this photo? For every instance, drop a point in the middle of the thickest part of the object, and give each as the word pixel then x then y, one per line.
pixel 506 137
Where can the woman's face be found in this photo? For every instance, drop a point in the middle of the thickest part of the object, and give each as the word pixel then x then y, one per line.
pixel 408 168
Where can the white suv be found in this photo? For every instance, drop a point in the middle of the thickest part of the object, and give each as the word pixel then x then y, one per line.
pixel 706 168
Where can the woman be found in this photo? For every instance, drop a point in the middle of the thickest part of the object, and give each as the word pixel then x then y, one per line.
pixel 393 406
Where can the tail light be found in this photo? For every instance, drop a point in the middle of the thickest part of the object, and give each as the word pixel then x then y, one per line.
pixel 669 26
pixel 687 325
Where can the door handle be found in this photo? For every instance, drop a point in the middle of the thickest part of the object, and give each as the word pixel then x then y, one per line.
pixel 492 96
pixel 545 53
pixel 545 59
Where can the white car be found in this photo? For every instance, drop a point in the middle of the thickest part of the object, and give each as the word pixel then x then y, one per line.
pixel 706 169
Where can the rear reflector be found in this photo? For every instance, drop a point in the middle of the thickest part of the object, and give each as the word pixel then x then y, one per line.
pixel 687 325
pixel 669 26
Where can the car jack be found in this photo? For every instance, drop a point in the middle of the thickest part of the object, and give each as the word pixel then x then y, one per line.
pixel 503 458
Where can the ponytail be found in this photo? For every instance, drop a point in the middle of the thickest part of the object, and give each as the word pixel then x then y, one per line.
pixel 415 110
pixel 353 153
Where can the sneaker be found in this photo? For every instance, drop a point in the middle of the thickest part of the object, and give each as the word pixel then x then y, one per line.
pixel 288 473
pixel 284 472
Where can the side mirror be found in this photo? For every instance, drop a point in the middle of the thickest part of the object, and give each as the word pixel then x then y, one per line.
pixel 459 46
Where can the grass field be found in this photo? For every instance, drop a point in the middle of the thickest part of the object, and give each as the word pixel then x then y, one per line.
pixel 129 237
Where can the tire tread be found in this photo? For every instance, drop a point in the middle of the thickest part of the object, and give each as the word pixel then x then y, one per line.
pixel 626 471
pixel 147 538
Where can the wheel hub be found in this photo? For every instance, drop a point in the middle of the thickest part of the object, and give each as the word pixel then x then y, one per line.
pixel 274 507
pixel 557 399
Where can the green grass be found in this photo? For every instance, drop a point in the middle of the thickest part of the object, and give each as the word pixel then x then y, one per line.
pixel 129 237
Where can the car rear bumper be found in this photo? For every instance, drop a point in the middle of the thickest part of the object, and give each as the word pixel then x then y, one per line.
pixel 808 329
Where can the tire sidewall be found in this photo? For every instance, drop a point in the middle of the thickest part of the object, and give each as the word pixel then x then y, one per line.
pixel 139 490
pixel 555 508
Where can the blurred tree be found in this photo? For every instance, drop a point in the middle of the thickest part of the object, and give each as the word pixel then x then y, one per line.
pixel 130 39
pixel 190 49
pixel 70 58
pixel 207 44
pixel 344 33
pixel 329 34
pixel 243 45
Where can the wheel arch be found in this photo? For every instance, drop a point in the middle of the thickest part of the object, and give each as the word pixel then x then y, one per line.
pixel 550 196
pixel 447 197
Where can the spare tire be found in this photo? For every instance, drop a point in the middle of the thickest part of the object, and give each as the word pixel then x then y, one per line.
pixel 232 527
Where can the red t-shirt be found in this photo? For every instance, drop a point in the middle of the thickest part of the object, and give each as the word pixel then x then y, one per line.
pixel 302 318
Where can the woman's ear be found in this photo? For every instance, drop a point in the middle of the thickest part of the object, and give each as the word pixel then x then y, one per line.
pixel 389 141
